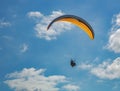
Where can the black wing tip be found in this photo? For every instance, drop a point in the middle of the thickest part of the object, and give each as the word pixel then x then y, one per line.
pixel 47 27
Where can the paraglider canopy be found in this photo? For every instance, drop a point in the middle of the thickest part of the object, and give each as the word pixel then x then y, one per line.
pixel 81 23
pixel 72 63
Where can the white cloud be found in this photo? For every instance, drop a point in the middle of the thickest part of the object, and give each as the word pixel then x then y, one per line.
pixel 42 23
pixel 23 48
pixel 114 39
pixel 31 79
pixel 71 87
pixel 106 70
pixel 35 14
pixel 4 23
pixel 85 66
pixel 117 21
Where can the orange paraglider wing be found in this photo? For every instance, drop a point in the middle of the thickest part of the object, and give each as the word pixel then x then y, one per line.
pixel 81 23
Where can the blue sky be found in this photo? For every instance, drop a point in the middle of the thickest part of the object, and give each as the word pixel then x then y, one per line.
pixel 33 59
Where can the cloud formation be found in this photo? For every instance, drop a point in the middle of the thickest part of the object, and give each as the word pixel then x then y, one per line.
pixel 114 39
pixel 31 79
pixel 4 23
pixel 23 48
pixel 71 87
pixel 35 14
pixel 42 22
pixel 106 70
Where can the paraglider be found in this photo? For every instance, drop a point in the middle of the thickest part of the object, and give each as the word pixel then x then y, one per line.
pixel 81 23
pixel 72 63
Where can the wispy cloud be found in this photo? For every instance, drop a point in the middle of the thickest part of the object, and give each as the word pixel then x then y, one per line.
pixel 85 66
pixel 106 70
pixel 23 48
pixel 43 21
pixel 4 23
pixel 35 14
pixel 114 39
pixel 7 37
pixel 31 79
pixel 116 85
